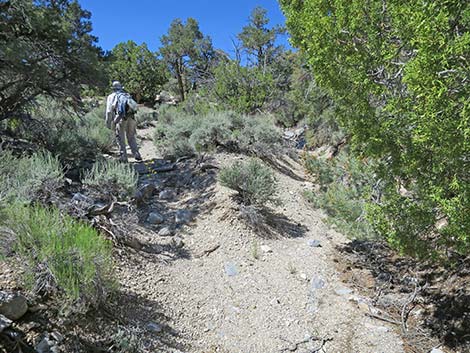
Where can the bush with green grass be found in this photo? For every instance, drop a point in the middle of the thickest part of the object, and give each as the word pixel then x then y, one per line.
pixel 62 256
pixel 254 182
pixel 347 186
pixel 117 178
pixel 145 115
pixel 64 132
pixel 178 134
pixel 23 178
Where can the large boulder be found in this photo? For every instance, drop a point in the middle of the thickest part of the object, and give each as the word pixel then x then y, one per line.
pixel 13 306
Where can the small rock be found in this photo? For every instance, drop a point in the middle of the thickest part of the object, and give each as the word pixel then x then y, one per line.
pixel 266 249
pixel 360 302
pixel 317 283
pixel 46 346
pixel 289 135
pixel 303 276
pixel 154 327
pixel 178 243
pixel 36 308
pixel 145 192
pixel 155 218
pixel 4 322
pixel 13 306
pixel 183 216
pixel 167 194
pixel 78 197
pixel 436 350
pixel 230 269
pixel 165 232
pixel 314 243
pixel 343 291
pixel 56 336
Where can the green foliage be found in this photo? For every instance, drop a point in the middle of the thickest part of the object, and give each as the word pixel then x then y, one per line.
pixel 188 53
pixel 114 176
pixel 94 131
pixel 257 135
pixel 145 115
pixel 346 186
pixel 47 49
pixel 254 182
pixel 22 178
pixel 258 40
pixel 243 89
pixel 60 253
pixel 63 132
pixel 397 74
pixel 138 69
pixel 179 134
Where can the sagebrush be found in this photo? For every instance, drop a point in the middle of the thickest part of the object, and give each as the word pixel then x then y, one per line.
pixel 179 134
pixel 24 177
pixel 62 256
pixel 113 176
pixel 254 182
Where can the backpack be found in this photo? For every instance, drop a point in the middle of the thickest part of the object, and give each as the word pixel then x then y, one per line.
pixel 125 106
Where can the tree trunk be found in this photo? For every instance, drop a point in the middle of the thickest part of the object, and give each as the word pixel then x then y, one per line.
pixel 180 79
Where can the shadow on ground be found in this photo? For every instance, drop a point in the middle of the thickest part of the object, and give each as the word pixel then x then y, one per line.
pixel 270 224
pixel 130 323
pixel 443 295
pixel 283 166
pixel 175 194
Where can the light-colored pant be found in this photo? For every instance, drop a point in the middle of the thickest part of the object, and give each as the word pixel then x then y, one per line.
pixel 126 129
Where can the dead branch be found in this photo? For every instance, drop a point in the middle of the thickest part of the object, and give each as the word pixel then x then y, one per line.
pixel 322 344
pixel 404 312
pixel 293 346
pixel 382 318
pixel 208 251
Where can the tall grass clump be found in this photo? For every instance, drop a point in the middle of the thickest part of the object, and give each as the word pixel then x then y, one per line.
pixel 118 178
pixel 62 256
pixel 22 178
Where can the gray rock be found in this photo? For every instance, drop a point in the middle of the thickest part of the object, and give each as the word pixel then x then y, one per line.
pixel 155 218
pixel 317 283
pixel 165 232
pixel 145 192
pixel 436 350
pixel 56 336
pixel 4 322
pixel 289 135
pixel 154 327
pixel 299 131
pixel 78 197
pixel 230 269
pixel 314 243
pixel 13 306
pixel 266 249
pixel 167 194
pixel 178 243
pixel 343 291
pixel 47 345
pixel 183 216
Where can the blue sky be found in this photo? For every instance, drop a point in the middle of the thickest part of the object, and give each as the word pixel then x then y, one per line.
pixel 115 21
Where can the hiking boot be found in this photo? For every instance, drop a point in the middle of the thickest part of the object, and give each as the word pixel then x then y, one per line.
pixel 138 157
pixel 123 159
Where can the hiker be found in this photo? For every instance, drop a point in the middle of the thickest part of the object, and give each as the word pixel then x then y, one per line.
pixel 120 117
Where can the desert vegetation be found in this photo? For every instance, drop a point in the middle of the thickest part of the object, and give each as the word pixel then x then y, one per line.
pixel 371 99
